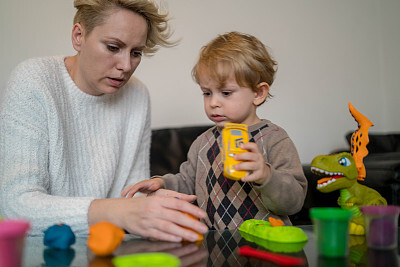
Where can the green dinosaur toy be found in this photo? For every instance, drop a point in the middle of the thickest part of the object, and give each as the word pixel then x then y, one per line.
pixel 342 174
pixel 342 171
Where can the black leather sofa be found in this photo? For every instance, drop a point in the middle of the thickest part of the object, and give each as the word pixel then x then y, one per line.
pixel 170 146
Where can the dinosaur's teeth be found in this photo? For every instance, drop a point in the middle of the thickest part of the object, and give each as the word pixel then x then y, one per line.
pixel 317 170
pixel 326 183
pixel 323 172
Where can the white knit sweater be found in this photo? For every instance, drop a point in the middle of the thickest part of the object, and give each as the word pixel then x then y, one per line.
pixel 61 148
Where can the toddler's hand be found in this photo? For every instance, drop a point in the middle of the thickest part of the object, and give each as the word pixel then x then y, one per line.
pixel 147 187
pixel 253 161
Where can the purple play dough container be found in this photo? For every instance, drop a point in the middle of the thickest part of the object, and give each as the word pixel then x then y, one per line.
pixel 12 239
pixel 381 223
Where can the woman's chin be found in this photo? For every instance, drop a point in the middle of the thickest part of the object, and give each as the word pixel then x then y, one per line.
pixel 111 90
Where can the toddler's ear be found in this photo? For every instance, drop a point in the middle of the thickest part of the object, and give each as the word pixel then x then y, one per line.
pixel 261 94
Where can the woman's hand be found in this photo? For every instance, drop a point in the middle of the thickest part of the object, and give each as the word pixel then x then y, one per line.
pixel 253 161
pixel 174 194
pixel 146 186
pixel 157 217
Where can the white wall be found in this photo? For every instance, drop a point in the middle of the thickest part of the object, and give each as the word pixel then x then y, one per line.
pixel 329 53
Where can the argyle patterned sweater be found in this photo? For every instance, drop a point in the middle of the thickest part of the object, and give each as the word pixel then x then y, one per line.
pixel 228 203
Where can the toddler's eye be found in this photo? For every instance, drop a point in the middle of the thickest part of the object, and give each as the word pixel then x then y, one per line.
pixel 206 93
pixel 112 48
pixel 226 93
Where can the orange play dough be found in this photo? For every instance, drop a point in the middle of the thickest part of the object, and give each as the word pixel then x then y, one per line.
pixel 104 238
pixel 275 222
pixel 200 236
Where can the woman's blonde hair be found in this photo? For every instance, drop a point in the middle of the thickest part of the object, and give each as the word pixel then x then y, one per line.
pixel 242 53
pixel 92 13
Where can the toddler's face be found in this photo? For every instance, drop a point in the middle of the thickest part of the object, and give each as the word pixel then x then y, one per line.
pixel 230 103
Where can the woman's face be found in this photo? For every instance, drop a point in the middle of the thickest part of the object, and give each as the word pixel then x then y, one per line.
pixel 108 56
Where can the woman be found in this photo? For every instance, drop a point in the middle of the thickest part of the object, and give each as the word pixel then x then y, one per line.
pixel 75 130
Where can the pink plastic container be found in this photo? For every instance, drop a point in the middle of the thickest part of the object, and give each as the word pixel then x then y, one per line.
pixel 12 239
pixel 381 224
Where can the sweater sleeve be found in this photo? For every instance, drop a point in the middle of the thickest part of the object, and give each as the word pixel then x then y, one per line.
pixel 284 192
pixel 184 181
pixel 141 167
pixel 24 146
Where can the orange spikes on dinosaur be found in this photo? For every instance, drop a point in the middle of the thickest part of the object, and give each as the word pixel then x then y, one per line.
pixel 359 140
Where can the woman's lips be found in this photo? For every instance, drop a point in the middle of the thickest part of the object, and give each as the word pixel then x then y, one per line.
pixel 116 82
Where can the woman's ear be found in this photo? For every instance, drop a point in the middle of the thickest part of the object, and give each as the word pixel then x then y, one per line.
pixel 78 33
pixel 261 94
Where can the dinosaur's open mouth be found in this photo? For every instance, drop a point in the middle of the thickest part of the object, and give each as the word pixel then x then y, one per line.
pixel 329 178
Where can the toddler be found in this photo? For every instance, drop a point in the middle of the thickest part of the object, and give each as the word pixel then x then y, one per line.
pixel 235 72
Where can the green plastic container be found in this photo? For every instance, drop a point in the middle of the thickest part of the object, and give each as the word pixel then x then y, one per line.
pixel 331 228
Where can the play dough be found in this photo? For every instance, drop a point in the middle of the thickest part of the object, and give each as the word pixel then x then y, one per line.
pixel 156 259
pixel 200 236
pixel 59 236
pixel 104 238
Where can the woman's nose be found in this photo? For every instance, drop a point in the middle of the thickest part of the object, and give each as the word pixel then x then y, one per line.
pixel 124 63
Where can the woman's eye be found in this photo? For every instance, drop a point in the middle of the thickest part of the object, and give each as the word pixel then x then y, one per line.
pixel 112 48
pixel 226 93
pixel 137 53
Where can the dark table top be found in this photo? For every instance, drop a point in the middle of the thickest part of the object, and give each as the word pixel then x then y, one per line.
pixel 219 248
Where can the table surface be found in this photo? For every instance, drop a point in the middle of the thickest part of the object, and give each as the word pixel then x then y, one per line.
pixel 219 248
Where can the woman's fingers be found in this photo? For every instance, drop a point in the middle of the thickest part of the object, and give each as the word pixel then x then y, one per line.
pixel 184 206
pixel 178 223
pixel 167 231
